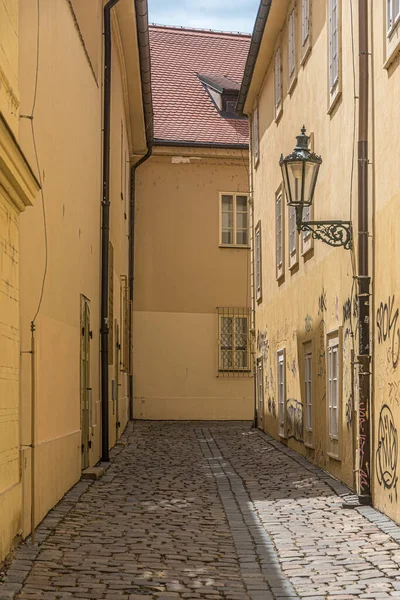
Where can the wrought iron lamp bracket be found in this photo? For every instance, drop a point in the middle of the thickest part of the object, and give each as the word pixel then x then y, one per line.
pixel 333 233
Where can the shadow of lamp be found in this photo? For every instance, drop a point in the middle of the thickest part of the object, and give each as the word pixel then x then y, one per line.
pixel 300 172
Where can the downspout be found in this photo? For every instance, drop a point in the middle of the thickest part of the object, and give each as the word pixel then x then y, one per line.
pixel 142 24
pixel 364 279
pixel 105 231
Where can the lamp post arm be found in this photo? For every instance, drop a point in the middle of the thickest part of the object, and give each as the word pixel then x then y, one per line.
pixel 333 233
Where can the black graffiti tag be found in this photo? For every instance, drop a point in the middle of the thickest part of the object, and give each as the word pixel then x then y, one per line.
pixel 294 412
pixel 386 322
pixel 386 454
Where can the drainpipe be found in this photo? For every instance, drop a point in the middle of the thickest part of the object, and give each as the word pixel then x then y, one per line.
pixel 142 24
pixel 364 279
pixel 105 231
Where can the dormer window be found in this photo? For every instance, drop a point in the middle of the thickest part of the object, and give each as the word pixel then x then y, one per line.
pixel 224 93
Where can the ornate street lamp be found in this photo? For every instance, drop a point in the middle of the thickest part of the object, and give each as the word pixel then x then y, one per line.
pixel 300 172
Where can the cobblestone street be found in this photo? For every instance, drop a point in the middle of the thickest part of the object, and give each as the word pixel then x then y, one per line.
pixel 207 510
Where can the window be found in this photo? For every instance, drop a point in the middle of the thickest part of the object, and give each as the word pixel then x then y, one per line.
pixel 125 311
pixel 260 389
pixel 333 36
pixel 234 348
pixel 305 21
pixel 278 84
pixel 393 14
pixel 255 137
pixel 306 239
pixel 308 388
pixel 292 236
pixel 292 44
pixel 279 235
pixel 333 394
pixel 281 369
pixel 258 261
pixel 234 220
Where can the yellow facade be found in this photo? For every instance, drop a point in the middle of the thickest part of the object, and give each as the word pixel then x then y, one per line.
pixel 182 276
pixel 53 263
pixel 18 188
pixel 312 298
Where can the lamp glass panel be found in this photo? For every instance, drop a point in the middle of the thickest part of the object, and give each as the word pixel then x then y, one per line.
pixel 295 174
pixel 310 179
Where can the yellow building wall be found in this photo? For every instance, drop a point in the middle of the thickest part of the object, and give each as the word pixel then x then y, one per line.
pixel 316 296
pixel 385 198
pixel 9 93
pixel 181 277
pixel 17 190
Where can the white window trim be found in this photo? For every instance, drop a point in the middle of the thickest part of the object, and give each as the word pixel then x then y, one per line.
pixel 392 19
pixel 280 264
pixel 306 11
pixel 255 137
pixel 238 313
pixel 292 54
pixel 260 391
pixel 308 356
pixel 234 196
pixel 278 83
pixel 334 348
pixel 392 34
pixel 281 392
pixel 258 261
pixel 307 241
pixel 335 84
pixel 293 236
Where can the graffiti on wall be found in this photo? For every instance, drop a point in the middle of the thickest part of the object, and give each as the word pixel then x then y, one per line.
pixel 308 323
pixel 322 306
pixel 386 321
pixel 349 412
pixel 387 451
pixel 272 406
pixel 263 344
pixel 294 419
pixel 321 369
pixel 394 391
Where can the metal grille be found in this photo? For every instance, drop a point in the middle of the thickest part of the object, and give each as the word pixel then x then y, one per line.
pixel 233 342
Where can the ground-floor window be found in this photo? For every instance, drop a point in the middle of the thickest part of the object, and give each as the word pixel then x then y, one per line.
pixel 233 341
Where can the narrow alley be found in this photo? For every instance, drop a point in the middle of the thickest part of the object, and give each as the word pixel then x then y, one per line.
pixel 207 510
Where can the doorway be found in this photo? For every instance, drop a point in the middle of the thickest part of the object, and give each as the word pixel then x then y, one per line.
pixel 86 391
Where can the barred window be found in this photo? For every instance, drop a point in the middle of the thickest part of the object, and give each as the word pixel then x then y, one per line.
pixel 233 340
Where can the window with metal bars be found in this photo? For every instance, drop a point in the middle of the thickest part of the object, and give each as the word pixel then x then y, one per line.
pixel 233 341
pixel 308 389
pixel 333 388
pixel 281 381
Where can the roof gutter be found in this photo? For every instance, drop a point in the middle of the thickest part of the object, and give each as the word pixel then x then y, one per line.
pixel 185 144
pixel 256 39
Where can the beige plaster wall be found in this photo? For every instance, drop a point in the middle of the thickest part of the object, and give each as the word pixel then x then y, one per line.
pixel 315 297
pixel 9 92
pixel 385 197
pixel 181 277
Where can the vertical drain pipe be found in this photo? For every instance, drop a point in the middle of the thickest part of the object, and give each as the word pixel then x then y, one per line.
pixel 105 232
pixel 364 279
pixel 142 23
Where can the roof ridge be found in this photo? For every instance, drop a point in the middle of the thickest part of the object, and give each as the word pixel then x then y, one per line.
pixel 199 31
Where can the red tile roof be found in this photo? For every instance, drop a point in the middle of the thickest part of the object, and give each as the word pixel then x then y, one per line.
pixel 183 110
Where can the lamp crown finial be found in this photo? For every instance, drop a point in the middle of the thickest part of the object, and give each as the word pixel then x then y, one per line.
pixel 303 130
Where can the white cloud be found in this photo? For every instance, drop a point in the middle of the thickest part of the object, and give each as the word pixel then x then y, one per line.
pixel 225 15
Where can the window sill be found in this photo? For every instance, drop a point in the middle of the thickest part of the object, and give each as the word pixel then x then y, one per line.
pixel 278 113
pixel 234 246
pixel 259 299
pixel 292 84
pixel 294 263
pixel 309 445
pixel 334 98
pixel 280 275
pixel 257 161
pixel 306 51
pixel 308 246
pixel 392 49
pixel 334 456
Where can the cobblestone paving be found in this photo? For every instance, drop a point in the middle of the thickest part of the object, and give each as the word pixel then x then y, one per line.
pixel 214 511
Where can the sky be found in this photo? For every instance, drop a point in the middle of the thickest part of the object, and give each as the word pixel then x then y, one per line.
pixel 225 15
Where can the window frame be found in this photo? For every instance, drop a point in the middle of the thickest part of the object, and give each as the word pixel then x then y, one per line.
pixel 233 313
pixel 306 12
pixel 258 262
pixel 307 240
pixel 260 391
pixel 292 40
pixel 335 86
pixel 234 228
pixel 281 392
pixel 391 33
pixel 334 346
pixel 293 250
pixel 280 265
pixel 309 424
pixel 278 82
pixel 255 136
